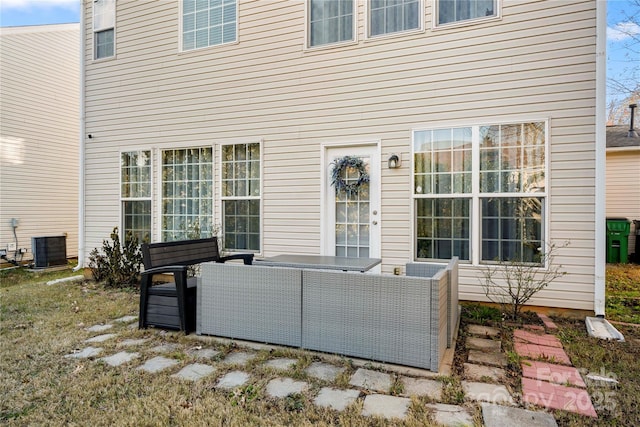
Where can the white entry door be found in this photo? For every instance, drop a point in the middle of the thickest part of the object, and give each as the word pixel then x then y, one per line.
pixel 351 220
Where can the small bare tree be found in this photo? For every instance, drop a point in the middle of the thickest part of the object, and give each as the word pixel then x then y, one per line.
pixel 512 283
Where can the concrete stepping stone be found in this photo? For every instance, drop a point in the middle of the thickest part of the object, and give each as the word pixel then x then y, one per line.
pixel 165 348
pixel 239 358
pixel 422 387
pixel 324 371
pixel 535 351
pixel 385 406
pixel 484 331
pixel 132 342
pixel 533 338
pixel 556 396
pixel 506 416
pixel 101 338
pixel 280 364
pixel 371 380
pixel 484 344
pixel 493 359
pixel 204 353
pixel 194 372
pixel 119 358
pixel 157 364
pixel 493 393
pixel 336 399
pixel 451 415
pixel 232 380
pixel 552 373
pixel 85 353
pixel 480 372
pixel 126 319
pixel 99 328
pixel 283 387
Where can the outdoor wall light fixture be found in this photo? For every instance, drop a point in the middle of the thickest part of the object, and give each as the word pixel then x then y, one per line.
pixel 394 161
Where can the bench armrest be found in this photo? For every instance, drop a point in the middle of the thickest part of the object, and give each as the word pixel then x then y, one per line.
pixel 247 258
pixel 175 269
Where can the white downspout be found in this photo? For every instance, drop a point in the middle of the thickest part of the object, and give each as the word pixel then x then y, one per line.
pixel 601 157
pixel 81 197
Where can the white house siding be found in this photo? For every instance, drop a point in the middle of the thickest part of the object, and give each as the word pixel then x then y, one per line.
pixel 536 62
pixel 39 133
pixel 623 195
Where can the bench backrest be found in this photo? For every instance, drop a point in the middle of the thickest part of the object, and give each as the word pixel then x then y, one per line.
pixel 182 252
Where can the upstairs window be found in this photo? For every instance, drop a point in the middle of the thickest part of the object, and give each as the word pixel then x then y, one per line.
pixel 208 23
pixel 451 11
pixel 330 21
pixel 393 16
pixel 104 23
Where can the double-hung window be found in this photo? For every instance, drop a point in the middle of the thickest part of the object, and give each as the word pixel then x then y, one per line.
pixel 104 27
pixel 480 192
pixel 135 193
pixel 330 21
pixel 451 11
pixel 208 23
pixel 241 196
pixel 187 193
pixel 393 16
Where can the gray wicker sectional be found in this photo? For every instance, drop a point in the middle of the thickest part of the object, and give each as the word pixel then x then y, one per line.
pixel 407 320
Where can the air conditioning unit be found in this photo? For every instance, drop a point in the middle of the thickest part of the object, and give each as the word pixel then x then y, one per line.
pixel 49 251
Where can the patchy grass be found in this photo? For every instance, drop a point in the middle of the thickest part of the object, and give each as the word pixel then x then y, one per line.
pixel 623 293
pixel 616 406
pixel 40 324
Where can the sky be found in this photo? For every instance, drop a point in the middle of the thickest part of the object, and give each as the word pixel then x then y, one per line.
pixel 619 58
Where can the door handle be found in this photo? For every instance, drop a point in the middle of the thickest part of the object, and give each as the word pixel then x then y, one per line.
pixel 375 223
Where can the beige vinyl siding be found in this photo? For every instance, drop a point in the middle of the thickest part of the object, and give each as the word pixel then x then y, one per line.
pixel 536 63
pixel 39 133
pixel 623 197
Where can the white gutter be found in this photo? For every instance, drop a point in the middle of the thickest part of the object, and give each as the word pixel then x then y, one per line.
pixel 601 157
pixel 81 199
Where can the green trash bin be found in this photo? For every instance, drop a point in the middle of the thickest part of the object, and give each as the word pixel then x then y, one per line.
pixel 618 240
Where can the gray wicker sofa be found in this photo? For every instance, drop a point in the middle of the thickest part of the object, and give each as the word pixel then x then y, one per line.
pixel 405 320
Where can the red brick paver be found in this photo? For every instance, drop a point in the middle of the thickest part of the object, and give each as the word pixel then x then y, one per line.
pixel 548 323
pixel 556 396
pixel 536 328
pixel 552 373
pixel 536 351
pixel 533 338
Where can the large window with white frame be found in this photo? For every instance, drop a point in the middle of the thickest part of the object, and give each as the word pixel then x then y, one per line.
pixel 480 192
pixel 452 11
pixel 330 21
pixel 208 23
pixel 104 28
pixel 394 16
pixel 241 196
pixel 135 193
pixel 187 193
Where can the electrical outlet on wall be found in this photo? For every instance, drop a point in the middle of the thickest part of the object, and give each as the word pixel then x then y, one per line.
pixel 11 247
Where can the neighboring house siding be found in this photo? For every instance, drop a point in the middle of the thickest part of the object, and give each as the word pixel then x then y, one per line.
pixel 536 63
pixel 39 133
pixel 623 195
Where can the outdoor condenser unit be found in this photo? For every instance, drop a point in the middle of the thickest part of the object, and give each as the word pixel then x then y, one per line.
pixel 49 251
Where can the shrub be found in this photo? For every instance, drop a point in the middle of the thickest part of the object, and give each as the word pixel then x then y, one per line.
pixel 512 283
pixel 117 265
